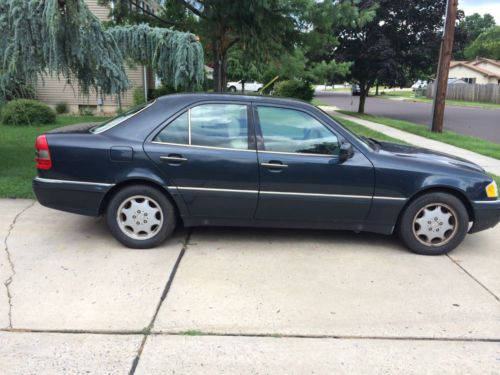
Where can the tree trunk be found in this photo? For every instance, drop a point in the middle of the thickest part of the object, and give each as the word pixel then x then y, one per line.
pixel 376 90
pixel 242 86
pixel 363 93
pixel 220 65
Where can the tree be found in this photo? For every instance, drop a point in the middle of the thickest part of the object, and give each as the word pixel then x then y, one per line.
pixel 330 72
pixel 265 27
pixel 63 38
pixel 487 45
pixel 468 29
pixel 396 45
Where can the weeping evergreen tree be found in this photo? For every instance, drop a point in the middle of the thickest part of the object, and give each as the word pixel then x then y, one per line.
pixel 63 38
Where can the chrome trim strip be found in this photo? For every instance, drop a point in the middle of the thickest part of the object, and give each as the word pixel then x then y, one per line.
pixel 283 193
pixel 497 201
pixel 214 189
pixel 316 194
pixel 189 126
pixel 52 181
pixel 296 153
pixel 196 146
pixel 389 198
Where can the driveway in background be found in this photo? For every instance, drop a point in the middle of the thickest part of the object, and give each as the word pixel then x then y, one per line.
pixel 240 300
pixel 477 122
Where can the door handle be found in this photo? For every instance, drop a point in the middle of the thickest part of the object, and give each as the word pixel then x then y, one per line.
pixel 276 165
pixel 173 158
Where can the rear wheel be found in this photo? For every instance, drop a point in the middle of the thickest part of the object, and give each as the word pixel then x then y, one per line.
pixel 140 216
pixel 434 224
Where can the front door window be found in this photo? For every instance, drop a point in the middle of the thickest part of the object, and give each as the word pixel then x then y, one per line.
pixel 292 131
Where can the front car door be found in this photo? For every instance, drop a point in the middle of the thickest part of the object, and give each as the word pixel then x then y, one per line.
pixel 302 178
pixel 208 154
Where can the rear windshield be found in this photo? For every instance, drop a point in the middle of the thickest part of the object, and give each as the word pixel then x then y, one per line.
pixel 120 118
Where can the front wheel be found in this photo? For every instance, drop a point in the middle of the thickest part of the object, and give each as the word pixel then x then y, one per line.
pixel 434 224
pixel 140 216
pixel 232 89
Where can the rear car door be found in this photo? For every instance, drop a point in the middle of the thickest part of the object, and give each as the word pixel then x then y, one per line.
pixel 301 175
pixel 208 154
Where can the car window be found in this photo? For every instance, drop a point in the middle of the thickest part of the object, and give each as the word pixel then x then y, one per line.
pixel 119 118
pixel 220 125
pixel 288 130
pixel 176 132
pixel 213 125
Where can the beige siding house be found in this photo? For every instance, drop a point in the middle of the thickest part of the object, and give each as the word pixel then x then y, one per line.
pixel 52 90
pixel 479 71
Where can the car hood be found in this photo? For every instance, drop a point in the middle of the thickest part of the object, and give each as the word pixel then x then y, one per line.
pixel 403 151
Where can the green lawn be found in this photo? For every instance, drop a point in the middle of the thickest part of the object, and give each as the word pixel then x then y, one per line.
pixel 366 132
pixel 318 102
pixel 410 96
pixel 469 143
pixel 17 154
pixel 17 158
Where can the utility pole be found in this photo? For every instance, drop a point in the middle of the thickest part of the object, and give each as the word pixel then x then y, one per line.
pixel 441 83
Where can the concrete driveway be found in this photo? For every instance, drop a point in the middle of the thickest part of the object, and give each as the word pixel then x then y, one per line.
pixel 225 300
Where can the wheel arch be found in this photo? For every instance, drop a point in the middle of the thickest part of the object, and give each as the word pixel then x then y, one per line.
pixel 459 194
pixel 140 181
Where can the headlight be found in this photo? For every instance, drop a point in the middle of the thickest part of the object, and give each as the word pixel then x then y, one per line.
pixel 492 190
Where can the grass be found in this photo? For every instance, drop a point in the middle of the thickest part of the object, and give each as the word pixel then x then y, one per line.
pixel 318 102
pixel 366 132
pixel 17 154
pixel 410 96
pixel 17 160
pixel 478 145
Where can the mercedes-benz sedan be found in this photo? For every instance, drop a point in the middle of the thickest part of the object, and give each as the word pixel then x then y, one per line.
pixel 210 159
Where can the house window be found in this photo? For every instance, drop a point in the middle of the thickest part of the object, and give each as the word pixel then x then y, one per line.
pixel 470 80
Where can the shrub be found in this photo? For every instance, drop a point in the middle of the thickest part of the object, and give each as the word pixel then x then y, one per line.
pixel 139 97
pixel 294 89
pixel 61 107
pixel 27 112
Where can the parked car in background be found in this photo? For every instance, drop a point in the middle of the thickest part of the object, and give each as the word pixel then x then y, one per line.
pixel 230 160
pixel 456 81
pixel 420 84
pixel 250 86
pixel 355 90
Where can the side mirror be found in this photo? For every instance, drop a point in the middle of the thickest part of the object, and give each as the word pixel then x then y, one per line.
pixel 346 152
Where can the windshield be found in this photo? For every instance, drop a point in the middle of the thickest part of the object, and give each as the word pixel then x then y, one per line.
pixel 120 118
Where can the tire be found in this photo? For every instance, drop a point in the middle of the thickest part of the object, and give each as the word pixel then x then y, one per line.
pixel 232 89
pixel 433 224
pixel 140 216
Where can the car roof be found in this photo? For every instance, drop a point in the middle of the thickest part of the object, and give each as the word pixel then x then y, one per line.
pixel 201 96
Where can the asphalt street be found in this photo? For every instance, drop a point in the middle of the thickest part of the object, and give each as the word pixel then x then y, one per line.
pixel 477 122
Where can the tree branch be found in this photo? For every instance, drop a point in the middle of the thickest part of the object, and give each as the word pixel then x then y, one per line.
pixel 192 8
pixel 145 11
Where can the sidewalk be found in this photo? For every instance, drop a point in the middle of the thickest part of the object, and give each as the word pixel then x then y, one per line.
pixel 491 165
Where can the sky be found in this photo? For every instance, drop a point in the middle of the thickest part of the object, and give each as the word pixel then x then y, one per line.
pixel 481 6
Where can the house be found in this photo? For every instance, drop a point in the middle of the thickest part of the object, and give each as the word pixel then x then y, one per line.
pixel 480 71
pixel 52 90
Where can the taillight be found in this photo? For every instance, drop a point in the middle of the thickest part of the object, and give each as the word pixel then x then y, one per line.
pixel 42 153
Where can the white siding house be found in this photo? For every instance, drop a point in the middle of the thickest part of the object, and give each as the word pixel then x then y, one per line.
pixel 479 71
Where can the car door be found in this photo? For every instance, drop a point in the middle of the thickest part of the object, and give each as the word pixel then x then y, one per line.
pixel 208 154
pixel 302 178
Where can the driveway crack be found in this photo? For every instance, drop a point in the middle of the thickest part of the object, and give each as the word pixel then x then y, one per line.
pixel 474 278
pixel 166 289
pixel 9 280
